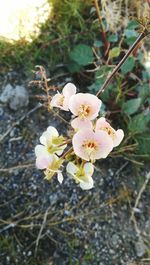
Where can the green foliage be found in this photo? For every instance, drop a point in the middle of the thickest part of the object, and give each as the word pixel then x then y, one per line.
pixel 131 106
pixel 144 145
pixel 82 54
pixel 144 92
pixel 139 123
pixel 128 65
pixel 113 38
pixel 114 52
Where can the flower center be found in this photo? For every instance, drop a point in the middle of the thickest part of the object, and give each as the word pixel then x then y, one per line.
pixel 84 111
pixel 109 131
pixel 90 146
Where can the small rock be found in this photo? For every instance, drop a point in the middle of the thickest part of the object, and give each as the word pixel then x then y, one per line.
pixel 7 94
pixel 15 97
pixel 140 248
pixel 1 111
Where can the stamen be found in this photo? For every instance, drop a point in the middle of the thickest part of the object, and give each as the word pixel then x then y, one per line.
pixel 84 111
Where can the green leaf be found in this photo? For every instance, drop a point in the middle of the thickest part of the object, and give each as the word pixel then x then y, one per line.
pixel 128 65
pixel 114 52
pixel 138 123
pixel 131 106
pixel 133 24
pixel 144 92
pixel 100 77
pixel 73 67
pixel 146 75
pixel 98 43
pixel 113 38
pixel 130 33
pixel 144 144
pixel 82 54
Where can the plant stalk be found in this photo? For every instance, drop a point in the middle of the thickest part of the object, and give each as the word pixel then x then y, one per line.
pixel 118 66
pixel 106 43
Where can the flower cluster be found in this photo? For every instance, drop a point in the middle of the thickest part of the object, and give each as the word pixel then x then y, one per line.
pixel 93 138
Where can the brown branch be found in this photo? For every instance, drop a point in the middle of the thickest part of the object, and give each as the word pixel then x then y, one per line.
pixel 106 43
pixel 118 66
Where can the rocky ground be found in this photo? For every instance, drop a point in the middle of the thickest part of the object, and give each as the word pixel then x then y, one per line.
pixel 44 223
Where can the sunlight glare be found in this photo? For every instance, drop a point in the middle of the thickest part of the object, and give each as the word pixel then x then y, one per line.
pixel 21 18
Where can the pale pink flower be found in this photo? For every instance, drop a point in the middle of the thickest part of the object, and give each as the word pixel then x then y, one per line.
pixel 77 124
pixel 90 145
pixel 81 174
pixel 42 162
pixel 86 107
pixel 51 163
pixel 116 136
pixel 50 143
pixel 61 100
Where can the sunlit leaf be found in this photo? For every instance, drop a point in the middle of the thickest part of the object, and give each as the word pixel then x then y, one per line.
pixel 114 52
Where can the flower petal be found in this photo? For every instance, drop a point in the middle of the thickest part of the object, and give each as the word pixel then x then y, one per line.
pixel 56 100
pixel 71 168
pixel 116 136
pixel 119 137
pixel 42 162
pixel 85 99
pixel 60 177
pixel 88 169
pixel 102 141
pixel 40 150
pixel 69 90
pixel 52 131
pixel 78 124
pixel 87 185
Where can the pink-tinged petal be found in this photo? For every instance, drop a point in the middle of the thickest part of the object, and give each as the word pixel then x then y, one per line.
pixel 101 146
pixel 77 142
pixel 40 150
pixel 60 177
pixel 105 145
pixel 85 99
pixel 116 136
pixel 87 185
pixel 42 162
pixel 69 90
pixel 56 100
pixel 78 124
pixel 119 137
pixel 101 123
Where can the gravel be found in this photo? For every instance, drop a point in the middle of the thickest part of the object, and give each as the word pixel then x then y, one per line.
pixel 82 227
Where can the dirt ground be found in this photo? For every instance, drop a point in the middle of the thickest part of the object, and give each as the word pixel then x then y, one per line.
pixel 45 223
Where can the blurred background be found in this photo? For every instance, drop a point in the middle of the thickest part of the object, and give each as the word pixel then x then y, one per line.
pixel 45 223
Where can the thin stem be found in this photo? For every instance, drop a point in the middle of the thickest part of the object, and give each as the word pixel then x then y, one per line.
pixel 67 152
pixel 106 43
pixel 118 66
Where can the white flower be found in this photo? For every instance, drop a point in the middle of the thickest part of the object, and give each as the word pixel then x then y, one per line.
pixel 81 174
pixel 61 100
pixel 51 143
pixel 116 136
